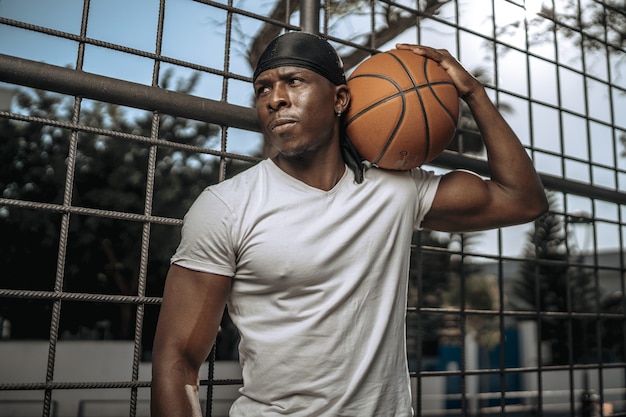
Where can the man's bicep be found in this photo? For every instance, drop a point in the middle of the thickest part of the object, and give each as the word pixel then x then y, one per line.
pixel 191 312
pixel 462 203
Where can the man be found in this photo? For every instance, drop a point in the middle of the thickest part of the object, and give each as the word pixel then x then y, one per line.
pixel 311 257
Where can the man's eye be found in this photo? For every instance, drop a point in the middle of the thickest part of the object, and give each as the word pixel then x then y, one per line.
pixel 262 90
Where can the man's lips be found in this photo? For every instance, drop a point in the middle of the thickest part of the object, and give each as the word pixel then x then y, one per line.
pixel 282 123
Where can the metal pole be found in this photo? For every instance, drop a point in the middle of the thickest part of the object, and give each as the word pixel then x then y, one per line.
pixel 590 401
pixel 111 90
pixel 310 16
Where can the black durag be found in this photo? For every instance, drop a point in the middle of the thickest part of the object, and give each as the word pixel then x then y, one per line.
pixel 304 50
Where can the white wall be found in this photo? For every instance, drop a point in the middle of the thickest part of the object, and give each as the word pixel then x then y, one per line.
pixel 88 361
pixel 111 361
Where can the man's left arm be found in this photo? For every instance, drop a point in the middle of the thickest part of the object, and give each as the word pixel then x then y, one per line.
pixel 465 201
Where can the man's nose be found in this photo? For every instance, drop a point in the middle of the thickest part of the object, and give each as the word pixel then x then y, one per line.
pixel 279 97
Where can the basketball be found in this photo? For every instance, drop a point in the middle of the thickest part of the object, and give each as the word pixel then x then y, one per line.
pixel 404 109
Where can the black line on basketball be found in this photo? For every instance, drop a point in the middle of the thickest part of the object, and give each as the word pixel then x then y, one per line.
pixel 421 100
pixel 400 94
pixel 375 104
pixel 441 103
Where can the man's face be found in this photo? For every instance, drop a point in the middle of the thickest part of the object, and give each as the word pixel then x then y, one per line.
pixel 296 109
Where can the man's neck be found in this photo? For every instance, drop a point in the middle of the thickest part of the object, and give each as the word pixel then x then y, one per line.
pixel 323 174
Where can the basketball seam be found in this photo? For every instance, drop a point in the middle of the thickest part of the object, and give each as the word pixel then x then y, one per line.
pixel 421 100
pixel 400 94
pixel 392 96
pixel 430 85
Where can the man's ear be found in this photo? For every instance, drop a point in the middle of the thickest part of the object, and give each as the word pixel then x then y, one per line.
pixel 342 98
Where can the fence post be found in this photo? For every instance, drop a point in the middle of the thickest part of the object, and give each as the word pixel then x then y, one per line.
pixel 589 399
pixel 310 16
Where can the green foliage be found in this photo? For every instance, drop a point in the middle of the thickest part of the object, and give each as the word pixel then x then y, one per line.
pixel 110 173
pixel 435 272
pixel 428 280
pixel 553 280
pixel 600 21
pixel 562 284
pixel 480 293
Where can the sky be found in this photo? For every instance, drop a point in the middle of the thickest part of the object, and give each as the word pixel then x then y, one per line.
pixel 192 33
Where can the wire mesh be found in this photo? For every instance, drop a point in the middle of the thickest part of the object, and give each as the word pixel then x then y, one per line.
pixel 115 115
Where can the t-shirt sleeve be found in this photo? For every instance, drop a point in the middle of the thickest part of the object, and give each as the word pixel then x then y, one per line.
pixel 206 239
pixel 426 183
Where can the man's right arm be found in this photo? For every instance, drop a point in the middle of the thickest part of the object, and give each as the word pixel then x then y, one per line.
pixel 190 316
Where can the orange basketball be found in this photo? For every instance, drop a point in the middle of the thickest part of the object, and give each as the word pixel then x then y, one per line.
pixel 404 109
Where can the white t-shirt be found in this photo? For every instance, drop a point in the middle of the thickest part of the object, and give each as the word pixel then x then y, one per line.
pixel 319 286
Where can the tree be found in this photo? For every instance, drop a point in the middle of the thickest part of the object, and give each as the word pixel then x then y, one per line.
pixel 613 334
pixel 601 22
pixel 435 273
pixel 552 279
pixel 110 173
pixel 481 293
pixel 428 280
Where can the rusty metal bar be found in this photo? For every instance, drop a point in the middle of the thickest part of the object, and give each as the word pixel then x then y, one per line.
pixel 78 83
pixel 310 16
pixel 97 87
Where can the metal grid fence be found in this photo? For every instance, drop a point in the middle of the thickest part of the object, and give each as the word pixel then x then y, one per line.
pixel 116 114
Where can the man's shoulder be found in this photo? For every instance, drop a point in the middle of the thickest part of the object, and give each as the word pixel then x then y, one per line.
pixel 415 174
pixel 248 176
pixel 239 185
